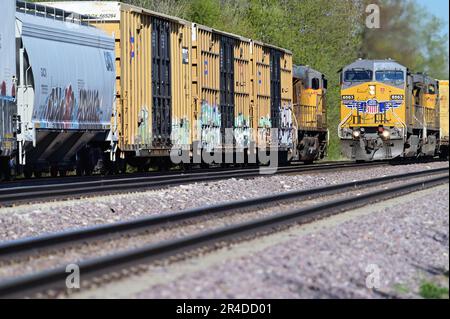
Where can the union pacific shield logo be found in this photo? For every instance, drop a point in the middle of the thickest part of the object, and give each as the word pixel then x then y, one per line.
pixel 372 106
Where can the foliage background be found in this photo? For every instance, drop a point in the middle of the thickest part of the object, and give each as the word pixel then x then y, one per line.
pixel 326 34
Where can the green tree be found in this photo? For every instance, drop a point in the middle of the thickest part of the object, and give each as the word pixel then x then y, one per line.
pixel 206 12
pixel 410 35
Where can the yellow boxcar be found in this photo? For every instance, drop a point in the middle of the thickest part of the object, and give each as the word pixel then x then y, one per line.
pixel 444 118
pixel 221 76
pixel 271 103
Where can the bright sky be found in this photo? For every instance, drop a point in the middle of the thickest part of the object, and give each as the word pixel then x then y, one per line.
pixel 439 8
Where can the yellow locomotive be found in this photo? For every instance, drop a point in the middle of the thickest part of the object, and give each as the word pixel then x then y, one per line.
pixel 387 112
pixel 310 88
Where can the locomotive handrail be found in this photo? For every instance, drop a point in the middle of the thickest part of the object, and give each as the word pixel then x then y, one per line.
pixel 295 130
pixel 343 122
pixel 309 119
pixel 401 122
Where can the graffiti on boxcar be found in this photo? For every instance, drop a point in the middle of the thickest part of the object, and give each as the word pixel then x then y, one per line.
pixel 264 126
pixel 242 131
pixel 64 109
pixel 4 92
pixel 286 129
pixel 180 132
pixel 209 126
pixel 144 132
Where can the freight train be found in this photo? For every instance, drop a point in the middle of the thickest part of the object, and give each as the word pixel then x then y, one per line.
pixel 388 112
pixel 98 85
pixel 114 85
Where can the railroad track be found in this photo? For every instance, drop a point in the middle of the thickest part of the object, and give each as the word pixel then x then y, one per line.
pixel 37 190
pixel 55 278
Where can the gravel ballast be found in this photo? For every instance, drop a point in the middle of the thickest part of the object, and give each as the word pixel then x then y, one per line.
pixel 407 244
pixel 31 220
pixel 40 260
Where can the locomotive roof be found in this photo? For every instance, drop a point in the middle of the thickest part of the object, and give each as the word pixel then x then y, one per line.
pixel 375 64
pixel 423 78
pixel 303 71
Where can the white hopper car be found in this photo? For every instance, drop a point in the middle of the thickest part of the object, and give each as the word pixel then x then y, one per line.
pixel 57 91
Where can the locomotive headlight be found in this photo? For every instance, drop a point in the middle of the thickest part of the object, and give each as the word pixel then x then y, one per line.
pixel 386 134
pixel 356 134
pixel 372 90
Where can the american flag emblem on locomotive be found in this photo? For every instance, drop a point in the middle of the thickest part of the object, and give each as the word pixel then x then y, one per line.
pixel 374 106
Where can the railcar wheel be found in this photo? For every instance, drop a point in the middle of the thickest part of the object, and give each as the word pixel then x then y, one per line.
pixel 27 172
pixel 5 173
pixel 79 171
pixel 53 171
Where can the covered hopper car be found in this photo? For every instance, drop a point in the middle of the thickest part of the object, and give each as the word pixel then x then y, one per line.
pixel 57 78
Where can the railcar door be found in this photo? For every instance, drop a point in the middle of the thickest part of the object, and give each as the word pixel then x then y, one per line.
pixel 161 83
pixel 275 88
pixel 226 84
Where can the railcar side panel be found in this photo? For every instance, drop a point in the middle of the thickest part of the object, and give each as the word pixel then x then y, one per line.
pixel 261 94
pixel 206 86
pixel 182 113
pixel 242 91
pixel 287 127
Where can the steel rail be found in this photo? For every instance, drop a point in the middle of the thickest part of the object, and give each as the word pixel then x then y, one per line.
pixel 57 276
pixel 12 195
pixel 22 182
pixel 49 240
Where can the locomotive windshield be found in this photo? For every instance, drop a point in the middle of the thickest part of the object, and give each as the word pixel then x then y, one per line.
pixel 358 76
pixel 390 76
